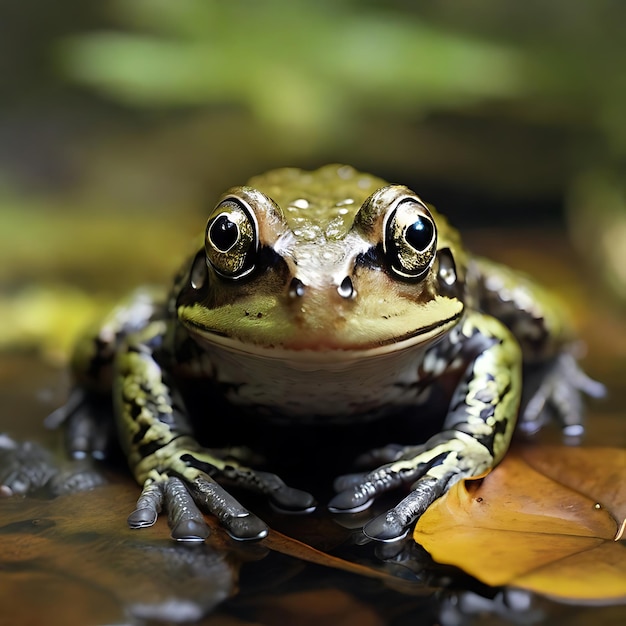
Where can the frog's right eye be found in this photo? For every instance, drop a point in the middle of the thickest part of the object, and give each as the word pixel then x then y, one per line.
pixel 231 239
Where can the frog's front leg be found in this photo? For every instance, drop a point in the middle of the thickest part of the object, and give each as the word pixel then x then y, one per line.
pixel 175 471
pixel 476 432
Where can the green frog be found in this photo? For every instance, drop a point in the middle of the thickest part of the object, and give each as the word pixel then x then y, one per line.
pixel 327 296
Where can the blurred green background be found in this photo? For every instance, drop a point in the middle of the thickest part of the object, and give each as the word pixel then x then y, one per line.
pixel 121 121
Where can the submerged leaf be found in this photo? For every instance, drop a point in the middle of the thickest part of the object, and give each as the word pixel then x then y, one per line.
pixel 547 519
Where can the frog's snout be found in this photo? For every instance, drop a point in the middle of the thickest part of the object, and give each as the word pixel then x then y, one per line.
pixel 298 290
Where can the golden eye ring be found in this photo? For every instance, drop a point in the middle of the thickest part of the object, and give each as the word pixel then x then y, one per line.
pixel 231 239
pixel 410 239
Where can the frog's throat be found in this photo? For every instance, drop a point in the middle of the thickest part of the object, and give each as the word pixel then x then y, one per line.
pixel 324 351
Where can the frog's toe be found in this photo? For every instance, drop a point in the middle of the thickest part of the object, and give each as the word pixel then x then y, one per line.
pixel 247 528
pixel 347 502
pixel 290 500
pixel 149 505
pixel 283 497
pixel 347 481
pixel 142 518
pixel 356 492
pixel 238 522
pixel 186 522
pixel 185 519
pixel 395 523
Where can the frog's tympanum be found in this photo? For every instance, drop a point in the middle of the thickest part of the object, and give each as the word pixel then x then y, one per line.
pixel 327 296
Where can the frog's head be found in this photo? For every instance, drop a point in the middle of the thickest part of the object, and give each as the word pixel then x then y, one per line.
pixel 329 262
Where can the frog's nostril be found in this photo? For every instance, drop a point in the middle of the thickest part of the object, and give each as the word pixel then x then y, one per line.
pixel 296 288
pixel 346 289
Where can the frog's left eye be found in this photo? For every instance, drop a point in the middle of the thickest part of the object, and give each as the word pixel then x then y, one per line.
pixel 410 240
pixel 231 241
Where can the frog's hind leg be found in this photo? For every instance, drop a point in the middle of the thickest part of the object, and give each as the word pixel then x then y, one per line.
pixel 87 416
pixel 27 467
pixel 554 383
pixel 557 389
pixel 88 424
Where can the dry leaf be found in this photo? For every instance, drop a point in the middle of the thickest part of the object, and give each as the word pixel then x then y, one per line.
pixel 546 519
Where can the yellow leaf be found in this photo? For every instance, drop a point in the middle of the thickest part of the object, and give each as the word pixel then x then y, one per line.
pixel 545 519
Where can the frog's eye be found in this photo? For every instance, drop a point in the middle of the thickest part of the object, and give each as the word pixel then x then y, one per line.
pixel 410 240
pixel 231 240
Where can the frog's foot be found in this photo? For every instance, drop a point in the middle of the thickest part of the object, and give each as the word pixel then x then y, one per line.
pixel 26 467
pixel 428 470
pixel 191 482
pixel 88 425
pixel 184 517
pixel 557 390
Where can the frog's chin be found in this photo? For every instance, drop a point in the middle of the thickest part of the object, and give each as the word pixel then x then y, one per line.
pixel 320 350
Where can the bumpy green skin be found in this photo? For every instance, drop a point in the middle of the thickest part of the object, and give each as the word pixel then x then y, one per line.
pixel 333 277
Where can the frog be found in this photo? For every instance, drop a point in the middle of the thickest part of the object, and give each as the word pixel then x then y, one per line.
pixel 322 296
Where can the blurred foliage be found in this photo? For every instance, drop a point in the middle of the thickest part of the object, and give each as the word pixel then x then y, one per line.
pixel 496 98
pixel 47 319
pixel 293 64
pixel 597 216
pixel 309 64
pixel 61 267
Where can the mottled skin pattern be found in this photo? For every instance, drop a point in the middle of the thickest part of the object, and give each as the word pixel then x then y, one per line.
pixel 326 296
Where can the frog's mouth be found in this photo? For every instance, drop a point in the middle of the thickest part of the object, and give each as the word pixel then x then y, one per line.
pixel 318 349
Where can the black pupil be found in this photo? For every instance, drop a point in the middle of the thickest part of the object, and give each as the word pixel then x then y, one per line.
pixel 224 233
pixel 420 233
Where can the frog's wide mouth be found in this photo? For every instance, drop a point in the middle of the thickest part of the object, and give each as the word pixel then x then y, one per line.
pixel 319 349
